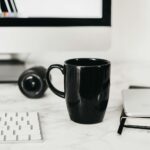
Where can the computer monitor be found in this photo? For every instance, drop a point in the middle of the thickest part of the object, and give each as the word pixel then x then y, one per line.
pixel 55 25
pixel 51 25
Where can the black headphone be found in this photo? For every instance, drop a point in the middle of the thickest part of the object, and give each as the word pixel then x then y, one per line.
pixel 32 82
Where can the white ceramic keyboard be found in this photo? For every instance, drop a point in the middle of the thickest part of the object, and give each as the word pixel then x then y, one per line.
pixel 19 127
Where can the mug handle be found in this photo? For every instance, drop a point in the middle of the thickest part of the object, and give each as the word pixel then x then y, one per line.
pixel 61 68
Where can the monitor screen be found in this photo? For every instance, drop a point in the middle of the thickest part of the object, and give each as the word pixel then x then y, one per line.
pixel 60 8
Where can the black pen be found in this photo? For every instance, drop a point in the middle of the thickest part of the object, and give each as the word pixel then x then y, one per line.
pixel 138 87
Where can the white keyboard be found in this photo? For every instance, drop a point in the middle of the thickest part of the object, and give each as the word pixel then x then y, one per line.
pixel 19 127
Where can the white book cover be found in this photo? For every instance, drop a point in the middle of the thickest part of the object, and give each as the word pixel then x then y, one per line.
pixel 136 102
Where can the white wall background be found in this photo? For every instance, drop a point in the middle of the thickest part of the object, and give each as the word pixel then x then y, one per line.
pixel 131 30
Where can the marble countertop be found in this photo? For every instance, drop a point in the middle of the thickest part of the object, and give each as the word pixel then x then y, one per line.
pixel 62 134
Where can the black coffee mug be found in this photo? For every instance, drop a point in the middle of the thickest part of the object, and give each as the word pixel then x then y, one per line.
pixel 86 84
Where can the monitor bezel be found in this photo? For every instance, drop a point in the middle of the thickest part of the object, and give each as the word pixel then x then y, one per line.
pixel 39 22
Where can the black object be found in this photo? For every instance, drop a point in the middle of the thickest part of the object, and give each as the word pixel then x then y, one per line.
pixel 122 122
pixel 11 70
pixel 86 83
pixel 138 87
pixel 11 3
pixel 32 82
pixel 104 21
pixel 3 6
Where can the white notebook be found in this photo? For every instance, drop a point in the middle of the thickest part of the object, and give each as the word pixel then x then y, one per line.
pixel 136 102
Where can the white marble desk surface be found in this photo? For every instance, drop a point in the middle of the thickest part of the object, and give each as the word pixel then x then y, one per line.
pixel 62 134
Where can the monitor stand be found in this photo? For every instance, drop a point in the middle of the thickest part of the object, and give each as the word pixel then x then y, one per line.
pixel 10 69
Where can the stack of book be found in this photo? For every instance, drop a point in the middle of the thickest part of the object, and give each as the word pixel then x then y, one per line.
pixel 136 109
